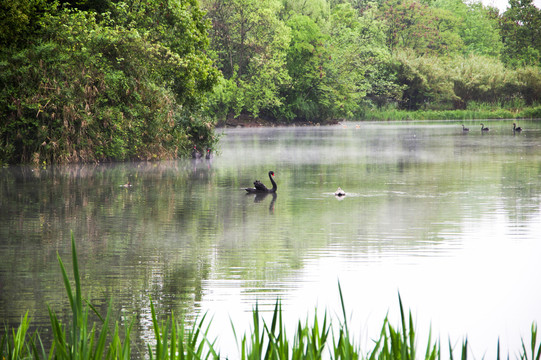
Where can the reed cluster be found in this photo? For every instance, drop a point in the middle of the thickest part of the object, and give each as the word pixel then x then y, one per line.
pixel 174 340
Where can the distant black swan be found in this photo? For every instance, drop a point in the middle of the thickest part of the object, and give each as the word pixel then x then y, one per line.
pixel 340 192
pixel 195 153
pixel 465 129
pixel 260 188
pixel 483 128
pixel 515 128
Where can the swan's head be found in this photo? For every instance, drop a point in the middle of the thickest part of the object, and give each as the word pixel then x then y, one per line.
pixel 271 173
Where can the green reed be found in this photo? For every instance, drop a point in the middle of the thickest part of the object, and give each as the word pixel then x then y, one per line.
pixel 270 341
pixel 102 339
pixel 80 340
pixel 173 341
pixel 18 344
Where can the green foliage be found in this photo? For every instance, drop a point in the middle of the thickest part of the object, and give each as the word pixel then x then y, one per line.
pixel 381 79
pixel 99 80
pixel 339 59
pixel 529 83
pixel 521 33
pixel 477 29
pixel 414 25
pixel 395 114
pixel 535 349
pixel 249 44
pixel 269 341
pixel 19 21
pixel 427 80
pixel 531 113
pixel 480 78
pixel 19 345
pixel 317 10
pixel 400 343
pixel 174 342
pixel 92 88
pixel 343 344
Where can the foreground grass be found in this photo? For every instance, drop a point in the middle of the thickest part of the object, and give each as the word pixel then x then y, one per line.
pixel 174 340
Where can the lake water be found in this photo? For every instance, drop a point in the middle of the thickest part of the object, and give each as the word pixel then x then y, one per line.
pixel 451 221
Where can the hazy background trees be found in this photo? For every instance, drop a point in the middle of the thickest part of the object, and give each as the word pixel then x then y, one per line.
pixel 341 58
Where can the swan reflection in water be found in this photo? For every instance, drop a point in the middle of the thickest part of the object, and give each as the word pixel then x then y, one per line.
pixel 261 191
pixel 259 197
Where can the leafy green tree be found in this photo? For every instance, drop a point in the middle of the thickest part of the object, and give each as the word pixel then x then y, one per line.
pixel 476 27
pixel 361 67
pixel 307 97
pixel 179 32
pixel 380 74
pixel 416 26
pixel 249 43
pixel 521 33
pixel 317 10
pixel 19 21
pixel 97 6
pixel 346 66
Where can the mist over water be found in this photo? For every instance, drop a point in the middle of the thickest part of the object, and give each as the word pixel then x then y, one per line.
pixel 449 220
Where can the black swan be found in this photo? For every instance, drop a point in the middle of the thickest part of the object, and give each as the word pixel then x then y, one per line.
pixel 195 153
pixel 483 128
pixel 340 192
pixel 515 128
pixel 465 129
pixel 260 188
pixel 208 153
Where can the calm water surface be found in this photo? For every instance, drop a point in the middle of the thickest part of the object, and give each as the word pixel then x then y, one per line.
pixel 451 221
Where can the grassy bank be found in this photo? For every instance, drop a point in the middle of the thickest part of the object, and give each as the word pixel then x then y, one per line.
pixel 389 114
pixel 473 114
pixel 82 339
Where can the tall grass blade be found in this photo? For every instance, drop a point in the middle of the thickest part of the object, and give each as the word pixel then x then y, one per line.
pixel 534 350
pixel 533 339
pixel 465 349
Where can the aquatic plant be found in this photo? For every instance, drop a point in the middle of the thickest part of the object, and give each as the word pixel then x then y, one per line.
pixel 18 344
pixel 83 341
pixel 173 341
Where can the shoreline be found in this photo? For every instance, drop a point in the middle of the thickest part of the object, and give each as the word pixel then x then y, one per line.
pixel 244 121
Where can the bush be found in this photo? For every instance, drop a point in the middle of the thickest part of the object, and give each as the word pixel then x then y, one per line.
pixel 88 89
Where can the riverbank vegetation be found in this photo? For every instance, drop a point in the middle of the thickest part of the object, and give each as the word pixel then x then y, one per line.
pixel 319 60
pixel 93 81
pixel 99 80
pixel 104 338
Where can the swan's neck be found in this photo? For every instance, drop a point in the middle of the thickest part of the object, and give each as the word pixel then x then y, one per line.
pixel 274 187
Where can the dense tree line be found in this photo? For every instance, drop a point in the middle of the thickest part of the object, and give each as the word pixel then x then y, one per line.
pixel 95 80
pixel 326 59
